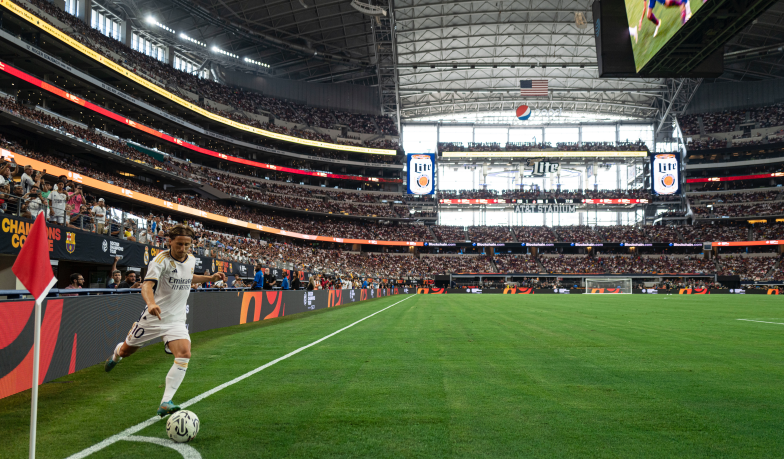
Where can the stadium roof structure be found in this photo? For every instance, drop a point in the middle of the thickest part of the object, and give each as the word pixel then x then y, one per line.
pixel 432 58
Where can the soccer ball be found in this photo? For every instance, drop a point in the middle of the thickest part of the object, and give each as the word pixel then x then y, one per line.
pixel 182 426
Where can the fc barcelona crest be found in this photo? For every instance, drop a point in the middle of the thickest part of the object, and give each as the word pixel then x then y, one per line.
pixel 70 242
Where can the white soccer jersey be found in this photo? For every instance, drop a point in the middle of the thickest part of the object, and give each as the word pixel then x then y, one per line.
pixel 173 285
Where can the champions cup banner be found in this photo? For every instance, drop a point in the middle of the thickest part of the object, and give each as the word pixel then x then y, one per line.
pixel 163 136
pixel 78 332
pixel 666 174
pixel 421 172
pixel 77 245
pixel 131 75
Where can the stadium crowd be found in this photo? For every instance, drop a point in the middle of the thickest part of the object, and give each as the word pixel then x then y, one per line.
pixel 237 98
pixel 729 120
pixel 533 146
pixel 739 210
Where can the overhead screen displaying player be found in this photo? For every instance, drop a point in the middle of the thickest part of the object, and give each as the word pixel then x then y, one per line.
pixel 652 23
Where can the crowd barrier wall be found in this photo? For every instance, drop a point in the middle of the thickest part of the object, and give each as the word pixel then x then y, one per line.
pixel 79 332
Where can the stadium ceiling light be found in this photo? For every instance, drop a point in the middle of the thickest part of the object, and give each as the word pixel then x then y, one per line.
pixel 251 61
pixel 152 21
pixel 192 40
pixel 225 53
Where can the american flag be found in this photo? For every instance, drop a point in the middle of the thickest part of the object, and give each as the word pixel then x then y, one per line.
pixel 533 87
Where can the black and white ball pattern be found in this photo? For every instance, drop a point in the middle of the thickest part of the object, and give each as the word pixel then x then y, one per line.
pixel 182 426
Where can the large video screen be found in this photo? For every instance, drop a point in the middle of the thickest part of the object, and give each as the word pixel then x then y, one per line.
pixel 421 167
pixel 652 23
pixel 666 174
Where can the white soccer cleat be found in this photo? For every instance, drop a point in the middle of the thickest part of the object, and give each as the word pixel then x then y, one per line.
pixel 633 33
pixel 655 32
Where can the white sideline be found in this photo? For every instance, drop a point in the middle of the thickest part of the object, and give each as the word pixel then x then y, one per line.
pixel 762 321
pixel 132 430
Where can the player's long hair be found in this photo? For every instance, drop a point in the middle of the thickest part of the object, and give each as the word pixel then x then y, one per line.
pixel 181 230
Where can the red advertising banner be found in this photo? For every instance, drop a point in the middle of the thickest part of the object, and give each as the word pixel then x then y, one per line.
pixel 513 201
pixel 734 177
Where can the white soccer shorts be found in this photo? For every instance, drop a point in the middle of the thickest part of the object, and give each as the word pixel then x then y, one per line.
pixel 147 330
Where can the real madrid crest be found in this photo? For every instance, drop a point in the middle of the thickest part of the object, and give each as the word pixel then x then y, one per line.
pixel 146 255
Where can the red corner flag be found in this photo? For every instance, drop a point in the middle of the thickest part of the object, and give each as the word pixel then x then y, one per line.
pixel 32 266
pixel 33 269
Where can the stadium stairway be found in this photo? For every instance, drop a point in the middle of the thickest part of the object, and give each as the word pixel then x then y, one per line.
pixel 514 236
pixel 780 196
pixel 432 233
pixel 214 192
pixel 542 269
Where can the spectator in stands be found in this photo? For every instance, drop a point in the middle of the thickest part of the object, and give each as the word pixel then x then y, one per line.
pixel 312 284
pixel 35 203
pixel 238 283
pixel 27 180
pixel 295 283
pixel 115 280
pixel 76 199
pixel 57 202
pixel 130 281
pixel 98 213
pixel 77 281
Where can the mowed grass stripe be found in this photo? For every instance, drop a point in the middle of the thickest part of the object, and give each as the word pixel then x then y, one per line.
pixel 502 376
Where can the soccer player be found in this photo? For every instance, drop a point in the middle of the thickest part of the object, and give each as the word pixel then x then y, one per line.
pixel 165 290
pixel 685 12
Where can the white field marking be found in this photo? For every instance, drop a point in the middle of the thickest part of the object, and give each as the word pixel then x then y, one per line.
pixel 132 430
pixel 187 451
pixel 762 321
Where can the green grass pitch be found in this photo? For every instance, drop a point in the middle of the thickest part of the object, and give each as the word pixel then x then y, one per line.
pixel 647 45
pixel 451 376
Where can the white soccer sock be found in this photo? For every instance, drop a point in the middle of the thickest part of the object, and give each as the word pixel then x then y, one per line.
pixel 115 355
pixel 174 378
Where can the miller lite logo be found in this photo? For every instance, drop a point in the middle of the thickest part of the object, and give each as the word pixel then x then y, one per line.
pixel 665 174
pixel 420 174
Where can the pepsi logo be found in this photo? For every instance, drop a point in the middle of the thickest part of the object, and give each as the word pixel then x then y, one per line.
pixel 523 112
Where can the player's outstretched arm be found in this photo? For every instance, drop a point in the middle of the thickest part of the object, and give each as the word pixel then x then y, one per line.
pixel 149 297
pixel 199 279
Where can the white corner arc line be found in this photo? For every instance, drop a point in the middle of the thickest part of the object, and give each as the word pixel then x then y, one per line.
pixel 187 451
pixel 132 430
pixel 761 321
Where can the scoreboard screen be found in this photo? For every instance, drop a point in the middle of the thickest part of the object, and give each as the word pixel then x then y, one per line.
pixel 652 23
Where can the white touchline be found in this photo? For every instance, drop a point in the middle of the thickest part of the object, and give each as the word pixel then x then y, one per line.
pixel 132 430
pixel 762 321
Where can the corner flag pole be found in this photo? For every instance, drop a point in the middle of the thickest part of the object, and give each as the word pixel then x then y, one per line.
pixel 34 271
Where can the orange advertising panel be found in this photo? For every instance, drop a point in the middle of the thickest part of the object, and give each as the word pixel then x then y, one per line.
pixel 8 155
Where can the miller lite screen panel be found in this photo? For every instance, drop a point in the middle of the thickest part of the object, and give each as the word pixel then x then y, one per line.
pixel 666 174
pixel 420 173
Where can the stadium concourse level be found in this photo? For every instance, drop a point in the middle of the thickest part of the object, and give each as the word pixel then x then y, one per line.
pixel 737 205
pixel 751 267
pixel 734 128
pixel 236 98
pixel 183 168
pixel 241 186
pixel 533 146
